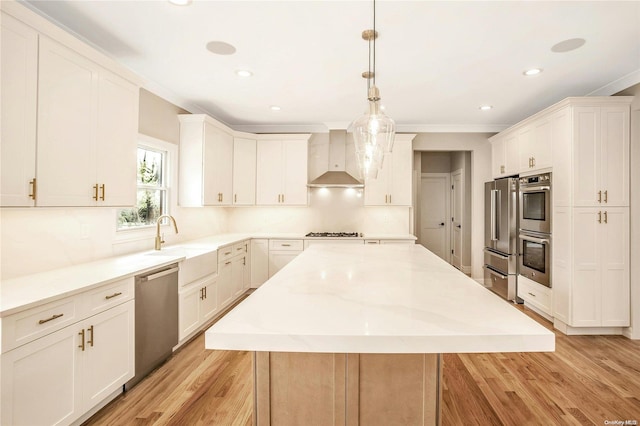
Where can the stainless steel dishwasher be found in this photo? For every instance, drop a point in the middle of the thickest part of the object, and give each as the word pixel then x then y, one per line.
pixel 156 295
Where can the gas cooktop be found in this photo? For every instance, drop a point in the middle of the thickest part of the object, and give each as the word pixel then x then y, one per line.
pixel 333 234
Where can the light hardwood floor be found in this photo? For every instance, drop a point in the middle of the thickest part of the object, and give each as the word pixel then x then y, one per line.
pixel 587 380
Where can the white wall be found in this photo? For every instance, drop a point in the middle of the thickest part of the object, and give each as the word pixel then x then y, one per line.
pixel 480 149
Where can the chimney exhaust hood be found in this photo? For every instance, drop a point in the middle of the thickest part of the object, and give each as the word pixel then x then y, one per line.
pixel 336 177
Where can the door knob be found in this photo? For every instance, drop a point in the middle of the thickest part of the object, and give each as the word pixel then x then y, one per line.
pixel 459 226
pixel 442 224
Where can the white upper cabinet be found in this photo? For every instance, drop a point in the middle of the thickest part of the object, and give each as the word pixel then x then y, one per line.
pixel 87 129
pixel 206 162
pixel 393 184
pixel 601 155
pixel 244 172
pixel 19 74
pixel 535 145
pixel 505 155
pixel 281 171
pixel 116 140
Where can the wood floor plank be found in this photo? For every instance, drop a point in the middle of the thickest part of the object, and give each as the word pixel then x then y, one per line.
pixel 587 380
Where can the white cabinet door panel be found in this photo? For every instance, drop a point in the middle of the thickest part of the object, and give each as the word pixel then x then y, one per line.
pixel 116 145
pixel 47 370
pixel 189 305
pixel 401 169
pixel 109 352
pixel 19 82
pixel 614 244
pixel 244 172
pixel 67 90
pixel 269 172
pixel 615 156
pixel 294 175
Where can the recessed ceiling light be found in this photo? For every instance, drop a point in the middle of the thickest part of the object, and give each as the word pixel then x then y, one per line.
pixel 485 107
pixel 244 73
pixel 220 48
pixel 532 71
pixel 180 2
pixel 275 108
pixel 568 45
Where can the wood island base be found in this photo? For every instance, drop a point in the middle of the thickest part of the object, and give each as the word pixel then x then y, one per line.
pixel 295 388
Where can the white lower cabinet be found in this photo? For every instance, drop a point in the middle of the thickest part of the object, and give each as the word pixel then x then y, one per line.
pixel 282 252
pixel 535 295
pixel 198 303
pixel 234 272
pixel 259 262
pixel 55 379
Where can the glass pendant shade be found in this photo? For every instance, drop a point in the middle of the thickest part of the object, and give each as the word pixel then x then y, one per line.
pixel 373 136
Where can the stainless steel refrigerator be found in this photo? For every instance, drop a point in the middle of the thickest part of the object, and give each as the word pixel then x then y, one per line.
pixel 501 237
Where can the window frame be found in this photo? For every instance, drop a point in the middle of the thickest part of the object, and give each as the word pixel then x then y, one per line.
pixel 170 180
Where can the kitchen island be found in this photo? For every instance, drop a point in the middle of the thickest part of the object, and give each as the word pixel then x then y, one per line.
pixel 353 335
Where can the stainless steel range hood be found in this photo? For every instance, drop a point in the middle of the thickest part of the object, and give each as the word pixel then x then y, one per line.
pixel 336 177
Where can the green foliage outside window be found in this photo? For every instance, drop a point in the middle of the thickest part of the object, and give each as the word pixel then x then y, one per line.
pixel 151 198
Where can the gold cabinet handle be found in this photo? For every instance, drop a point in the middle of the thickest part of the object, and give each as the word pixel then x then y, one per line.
pixel 389 198
pixel 32 184
pixel 531 294
pixel 202 293
pixel 51 318
pixel 502 169
pixel 103 191
pixel 81 345
pixel 113 295
pixel 606 197
pixel 286 245
pixel 227 263
pixel 244 261
pixel 599 217
pixel 95 192
pixel 226 253
pixel 386 196
pixel 599 196
pixel 283 198
pixel 235 198
pixel 205 292
pixel 90 342
pixel 605 217
pixel 533 161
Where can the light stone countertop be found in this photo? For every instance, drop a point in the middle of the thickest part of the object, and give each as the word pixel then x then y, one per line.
pixel 375 299
pixel 25 292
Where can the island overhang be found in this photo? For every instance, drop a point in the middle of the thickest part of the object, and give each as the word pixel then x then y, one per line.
pixel 375 299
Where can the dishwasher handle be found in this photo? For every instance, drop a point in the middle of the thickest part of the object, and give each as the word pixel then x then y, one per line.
pixel 158 274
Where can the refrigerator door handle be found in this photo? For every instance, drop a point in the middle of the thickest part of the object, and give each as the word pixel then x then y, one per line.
pixel 495 219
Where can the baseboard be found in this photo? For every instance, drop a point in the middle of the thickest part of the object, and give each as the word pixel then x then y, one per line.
pixel 98 407
pixel 538 311
pixel 589 331
pixel 466 269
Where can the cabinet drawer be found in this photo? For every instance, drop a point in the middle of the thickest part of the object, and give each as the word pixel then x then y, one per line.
pixel 241 248
pixel 26 326
pixel 535 294
pixel 108 295
pixel 286 245
pixel 225 253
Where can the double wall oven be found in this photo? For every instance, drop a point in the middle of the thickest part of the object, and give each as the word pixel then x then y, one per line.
pixel 535 228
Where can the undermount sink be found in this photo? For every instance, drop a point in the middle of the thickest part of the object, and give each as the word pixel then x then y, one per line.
pixel 181 251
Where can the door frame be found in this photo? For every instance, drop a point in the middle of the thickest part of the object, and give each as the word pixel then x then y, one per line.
pixel 447 202
pixel 462 216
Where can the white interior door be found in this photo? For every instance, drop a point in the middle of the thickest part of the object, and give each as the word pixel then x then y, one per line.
pixel 434 206
pixel 457 209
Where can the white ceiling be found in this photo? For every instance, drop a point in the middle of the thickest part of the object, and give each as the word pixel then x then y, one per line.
pixel 437 62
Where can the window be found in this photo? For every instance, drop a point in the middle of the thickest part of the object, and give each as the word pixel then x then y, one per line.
pixel 152 190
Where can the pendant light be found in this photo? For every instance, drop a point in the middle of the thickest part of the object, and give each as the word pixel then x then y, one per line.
pixel 374 132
